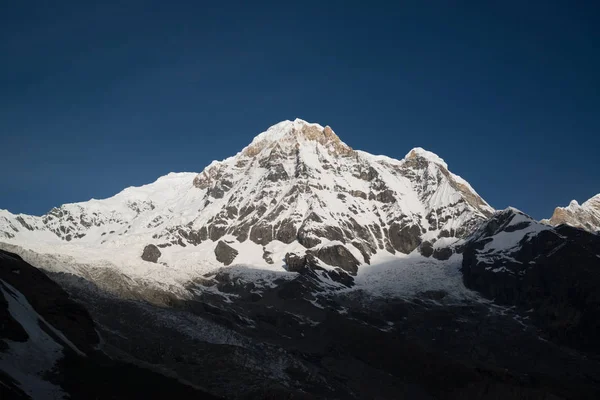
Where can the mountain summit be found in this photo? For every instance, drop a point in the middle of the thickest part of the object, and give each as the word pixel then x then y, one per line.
pixel 585 216
pixel 295 188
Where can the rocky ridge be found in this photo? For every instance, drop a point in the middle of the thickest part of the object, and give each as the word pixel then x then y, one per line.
pixel 585 216
pixel 551 273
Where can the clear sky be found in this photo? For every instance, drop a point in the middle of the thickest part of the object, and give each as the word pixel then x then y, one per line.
pixel 95 98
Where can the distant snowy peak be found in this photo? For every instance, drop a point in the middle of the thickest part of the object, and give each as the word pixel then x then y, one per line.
pixel 585 216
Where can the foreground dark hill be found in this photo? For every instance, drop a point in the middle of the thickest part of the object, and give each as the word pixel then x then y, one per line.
pixel 553 274
pixel 49 347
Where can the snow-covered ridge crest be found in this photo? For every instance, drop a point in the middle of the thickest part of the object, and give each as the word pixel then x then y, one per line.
pixel 278 131
pixel 296 187
pixel 288 134
pixel 428 155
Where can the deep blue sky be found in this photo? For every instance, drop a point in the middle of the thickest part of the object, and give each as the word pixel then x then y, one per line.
pixel 95 98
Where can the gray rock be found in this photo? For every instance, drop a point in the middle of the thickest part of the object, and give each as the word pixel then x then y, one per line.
pixel 295 262
pixel 307 239
pixel 338 256
pixel 261 233
pixel 25 224
pixel 277 173
pixel 364 250
pixel 443 253
pixel 405 238
pixel 426 249
pixel 358 193
pixel 286 231
pixel 225 253
pixel 216 230
pixel 241 232
pixel 267 256
pixel 151 253
pixel 386 196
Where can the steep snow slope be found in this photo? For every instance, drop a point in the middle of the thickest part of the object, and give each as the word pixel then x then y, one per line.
pixel 585 216
pixel 297 186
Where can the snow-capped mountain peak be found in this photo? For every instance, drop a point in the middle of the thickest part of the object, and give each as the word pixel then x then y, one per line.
pixel 295 188
pixel 428 155
pixel 288 135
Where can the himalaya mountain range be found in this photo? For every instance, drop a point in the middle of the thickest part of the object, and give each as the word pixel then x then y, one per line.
pixel 302 268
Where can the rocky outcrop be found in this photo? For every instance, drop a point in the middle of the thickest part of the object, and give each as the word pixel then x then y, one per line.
pixel 426 249
pixel 585 216
pixel 309 266
pixel 267 256
pixel 225 253
pixel 151 253
pixel 405 238
pixel 337 256
pixel 442 253
pixel 552 274
pixel 298 263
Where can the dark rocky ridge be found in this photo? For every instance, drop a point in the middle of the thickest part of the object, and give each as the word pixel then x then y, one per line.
pixel 553 275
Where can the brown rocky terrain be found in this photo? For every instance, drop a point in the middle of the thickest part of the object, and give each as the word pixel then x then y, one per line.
pixel 585 216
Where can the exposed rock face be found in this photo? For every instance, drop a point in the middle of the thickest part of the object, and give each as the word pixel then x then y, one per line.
pixel 442 253
pixel 308 265
pixel 585 216
pixel 151 253
pixel 552 273
pixel 267 256
pixel 301 263
pixel 225 253
pixel 405 238
pixel 338 256
pixel 426 249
